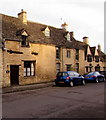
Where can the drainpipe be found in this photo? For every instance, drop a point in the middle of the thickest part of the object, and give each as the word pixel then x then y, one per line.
pixel 62 59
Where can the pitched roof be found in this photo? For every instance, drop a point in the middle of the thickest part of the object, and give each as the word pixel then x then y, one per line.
pixel 102 56
pixel 12 26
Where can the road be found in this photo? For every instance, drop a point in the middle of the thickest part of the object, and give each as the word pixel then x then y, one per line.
pixel 83 101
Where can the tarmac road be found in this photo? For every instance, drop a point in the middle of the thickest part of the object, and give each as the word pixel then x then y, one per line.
pixel 83 101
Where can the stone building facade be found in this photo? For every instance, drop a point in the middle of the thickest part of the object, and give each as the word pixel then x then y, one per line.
pixel 31 52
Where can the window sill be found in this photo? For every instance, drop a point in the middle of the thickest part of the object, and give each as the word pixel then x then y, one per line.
pixel 29 76
pixel 25 46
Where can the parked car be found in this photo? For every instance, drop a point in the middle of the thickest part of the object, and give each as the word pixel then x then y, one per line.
pixel 69 78
pixel 103 73
pixel 94 76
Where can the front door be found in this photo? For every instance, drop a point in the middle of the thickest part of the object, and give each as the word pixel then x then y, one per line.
pixel 14 74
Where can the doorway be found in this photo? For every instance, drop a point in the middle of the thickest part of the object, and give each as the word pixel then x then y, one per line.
pixel 14 74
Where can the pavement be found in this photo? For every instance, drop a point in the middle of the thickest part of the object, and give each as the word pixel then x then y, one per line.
pixel 26 87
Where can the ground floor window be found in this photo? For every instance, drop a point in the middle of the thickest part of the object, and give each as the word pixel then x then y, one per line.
pixel 68 67
pixel 88 68
pixel 97 68
pixel 29 68
pixel 104 68
pixel 57 67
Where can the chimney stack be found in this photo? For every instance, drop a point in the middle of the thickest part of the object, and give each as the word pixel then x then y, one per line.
pixel 65 26
pixel 86 40
pixel 23 16
pixel 99 47
pixel 72 34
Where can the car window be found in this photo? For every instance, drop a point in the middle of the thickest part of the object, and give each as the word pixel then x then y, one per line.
pixel 91 73
pixel 97 73
pixel 76 74
pixel 71 74
pixel 62 74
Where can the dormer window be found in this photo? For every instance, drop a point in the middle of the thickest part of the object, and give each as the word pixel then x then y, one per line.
pixel 68 37
pixel 23 35
pixel 89 58
pixel 47 32
pixel 24 42
pixel 96 58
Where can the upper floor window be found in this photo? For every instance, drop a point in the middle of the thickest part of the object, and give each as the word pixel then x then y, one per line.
pixel 46 31
pixel 68 36
pixel 77 54
pixel 68 53
pixel 58 53
pixel 96 58
pixel 24 41
pixel 23 36
pixel 29 68
pixel 89 58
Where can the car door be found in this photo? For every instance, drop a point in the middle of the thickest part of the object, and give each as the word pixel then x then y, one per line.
pixel 77 78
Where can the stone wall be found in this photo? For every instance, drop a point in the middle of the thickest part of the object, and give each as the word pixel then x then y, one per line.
pixel 44 60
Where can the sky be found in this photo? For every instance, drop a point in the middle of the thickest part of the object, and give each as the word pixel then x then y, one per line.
pixel 84 17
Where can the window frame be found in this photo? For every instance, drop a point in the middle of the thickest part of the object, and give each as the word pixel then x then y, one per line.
pixel 89 58
pixel 96 58
pixel 28 69
pixel 77 54
pixel 58 67
pixel 68 67
pixel 68 54
pixel 24 42
pixel 57 52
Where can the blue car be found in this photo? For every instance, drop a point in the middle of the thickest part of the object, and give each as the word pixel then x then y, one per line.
pixel 94 77
pixel 69 78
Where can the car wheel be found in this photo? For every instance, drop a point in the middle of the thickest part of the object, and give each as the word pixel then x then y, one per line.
pixel 71 84
pixel 103 79
pixel 97 80
pixel 56 84
pixel 83 82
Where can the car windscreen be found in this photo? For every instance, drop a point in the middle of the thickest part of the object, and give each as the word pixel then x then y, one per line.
pixel 92 73
pixel 62 74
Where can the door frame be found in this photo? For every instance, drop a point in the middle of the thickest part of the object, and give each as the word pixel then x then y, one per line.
pixel 14 75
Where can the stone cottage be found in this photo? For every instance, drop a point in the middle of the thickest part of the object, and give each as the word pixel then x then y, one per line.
pixel 31 52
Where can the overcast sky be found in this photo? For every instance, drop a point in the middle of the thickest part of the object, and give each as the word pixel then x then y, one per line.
pixel 84 17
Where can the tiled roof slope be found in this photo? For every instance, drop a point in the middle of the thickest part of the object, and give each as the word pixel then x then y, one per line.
pixel 10 26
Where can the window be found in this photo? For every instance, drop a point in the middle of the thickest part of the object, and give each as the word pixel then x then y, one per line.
pixel 47 32
pixel 58 53
pixel 57 67
pixel 68 53
pixel 97 68
pixel 89 58
pixel 68 37
pixel 87 69
pixel 77 67
pixel 29 68
pixel 68 67
pixel 77 54
pixel 62 74
pixel 96 58
pixel 24 42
